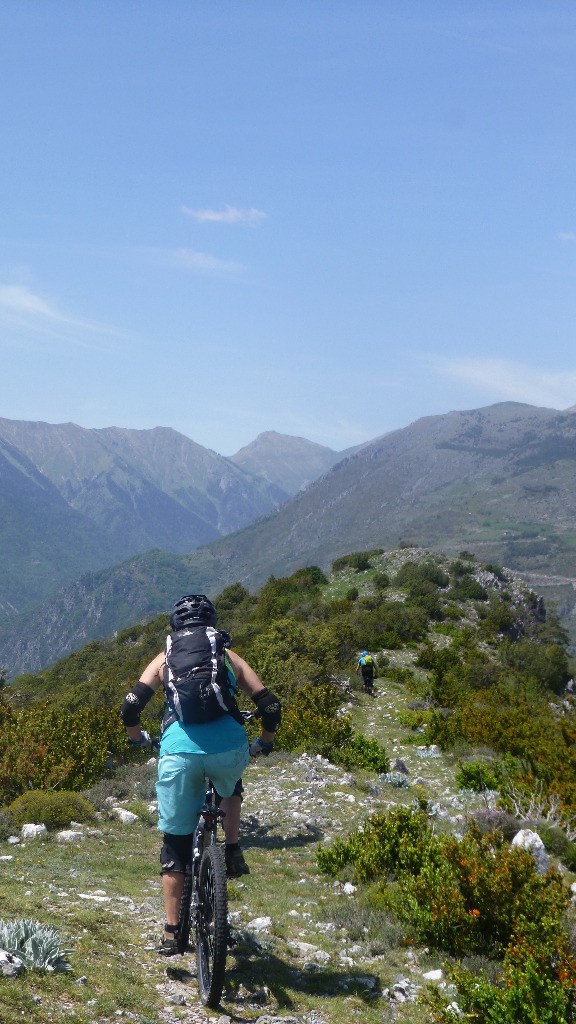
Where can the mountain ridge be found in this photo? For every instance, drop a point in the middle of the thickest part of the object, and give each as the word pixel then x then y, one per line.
pixel 500 481
pixel 90 498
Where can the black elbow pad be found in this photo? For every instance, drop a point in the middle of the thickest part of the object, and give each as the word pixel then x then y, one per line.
pixel 269 709
pixel 135 700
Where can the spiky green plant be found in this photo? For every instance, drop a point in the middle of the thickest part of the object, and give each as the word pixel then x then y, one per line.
pixel 37 945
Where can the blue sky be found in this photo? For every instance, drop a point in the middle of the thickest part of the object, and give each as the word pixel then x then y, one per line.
pixel 322 217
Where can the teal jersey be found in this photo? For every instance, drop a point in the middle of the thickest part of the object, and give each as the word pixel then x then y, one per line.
pixel 214 737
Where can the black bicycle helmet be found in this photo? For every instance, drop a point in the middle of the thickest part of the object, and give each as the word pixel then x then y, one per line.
pixel 193 610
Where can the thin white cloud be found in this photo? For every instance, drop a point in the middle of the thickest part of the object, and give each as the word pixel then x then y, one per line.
pixel 190 259
pixel 19 304
pixel 20 301
pixel 513 381
pixel 229 215
pixel 23 309
pixel 566 236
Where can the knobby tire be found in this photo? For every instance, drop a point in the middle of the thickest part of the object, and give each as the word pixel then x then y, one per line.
pixel 212 926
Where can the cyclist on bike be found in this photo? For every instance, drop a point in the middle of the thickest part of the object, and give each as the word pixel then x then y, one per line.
pixel 202 733
pixel 366 666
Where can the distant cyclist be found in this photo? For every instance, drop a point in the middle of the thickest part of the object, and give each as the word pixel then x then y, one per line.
pixel 367 668
pixel 203 735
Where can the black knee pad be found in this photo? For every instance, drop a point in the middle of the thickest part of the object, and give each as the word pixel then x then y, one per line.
pixel 238 791
pixel 176 853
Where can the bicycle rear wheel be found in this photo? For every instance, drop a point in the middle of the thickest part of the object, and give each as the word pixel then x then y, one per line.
pixel 211 926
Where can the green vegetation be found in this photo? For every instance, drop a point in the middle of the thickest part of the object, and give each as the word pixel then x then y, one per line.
pixel 55 810
pixel 490 675
pixel 38 947
pixel 470 896
pixel 482 670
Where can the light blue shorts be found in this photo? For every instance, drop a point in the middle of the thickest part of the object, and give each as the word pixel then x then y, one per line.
pixel 181 785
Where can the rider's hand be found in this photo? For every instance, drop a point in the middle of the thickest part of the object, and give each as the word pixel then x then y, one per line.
pixel 144 741
pixel 259 747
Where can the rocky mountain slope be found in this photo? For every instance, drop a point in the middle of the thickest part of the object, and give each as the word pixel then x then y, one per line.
pixel 75 499
pixel 500 481
pixel 44 542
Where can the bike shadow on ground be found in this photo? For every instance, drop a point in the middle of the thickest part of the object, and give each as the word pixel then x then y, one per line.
pixel 259 969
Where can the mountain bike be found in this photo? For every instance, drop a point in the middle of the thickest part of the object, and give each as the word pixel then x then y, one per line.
pixel 204 904
pixel 204 901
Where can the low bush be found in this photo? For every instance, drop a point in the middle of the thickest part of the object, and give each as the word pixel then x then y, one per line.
pixel 536 986
pixel 358 560
pixel 397 674
pixel 415 576
pixel 467 589
pixel 312 723
pixel 364 753
pixel 47 748
pixel 381 580
pixel 397 841
pixel 494 820
pixel 102 791
pixel 557 842
pixel 53 809
pixel 477 776
pixel 471 895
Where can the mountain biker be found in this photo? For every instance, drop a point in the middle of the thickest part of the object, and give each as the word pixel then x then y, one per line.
pixel 366 666
pixel 190 751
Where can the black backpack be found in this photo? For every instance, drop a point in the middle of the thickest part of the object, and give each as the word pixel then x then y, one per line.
pixel 199 684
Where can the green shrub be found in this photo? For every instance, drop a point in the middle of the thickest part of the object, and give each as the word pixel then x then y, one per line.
pixel 360 561
pixel 467 589
pixel 496 570
pixel 557 842
pixel 397 674
pixel 310 722
pixel 381 580
pixel 399 840
pixel 414 718
pixel 390 640
pixel 53 809
pixel 364 753
pixel 469 895
pixel 537 986
pixel 547 663
pixel 429 603
pixel 477 776
pixel 47 748
pixel 497 619
pixel 413 576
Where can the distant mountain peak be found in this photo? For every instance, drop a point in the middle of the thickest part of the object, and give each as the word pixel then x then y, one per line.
pixel 289 462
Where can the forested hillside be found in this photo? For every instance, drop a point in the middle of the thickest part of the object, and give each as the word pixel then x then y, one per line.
pixel 474 637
